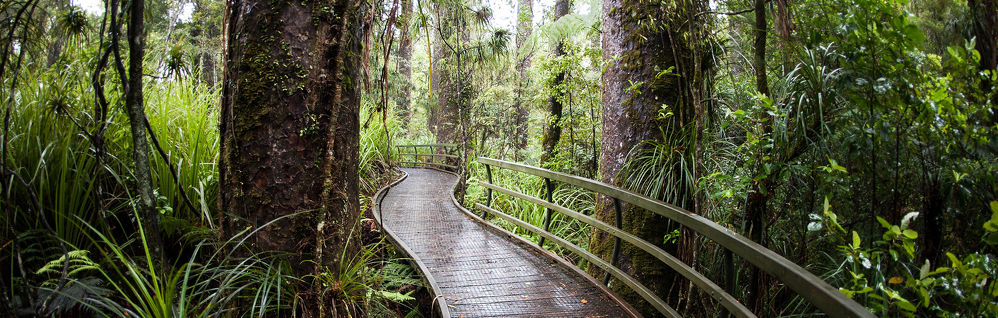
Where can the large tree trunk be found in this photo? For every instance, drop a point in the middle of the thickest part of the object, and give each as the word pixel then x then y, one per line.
pixel 59 39
pixel 985 31
pixel 136 117
pixel 290 129
pixel 524 27
pixel 630 117
pixel 552 133
pixel 405 63
pixel 448 74
pixel 443 121
pixel 208 69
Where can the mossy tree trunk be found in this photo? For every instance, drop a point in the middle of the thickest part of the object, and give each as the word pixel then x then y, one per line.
pixel 443 117
pixel 58 39
pixel 135 108
pixel 643 101
pixel 290 129
pixel 524 26
pixel 405 63
pixel 552 133
pixel 985 32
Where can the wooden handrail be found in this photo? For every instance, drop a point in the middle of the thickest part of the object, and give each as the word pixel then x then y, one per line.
pixel 431 145
pixel 429 155
pixel 701 281
pixel 428 164
pixel 812 288
pixel 448 149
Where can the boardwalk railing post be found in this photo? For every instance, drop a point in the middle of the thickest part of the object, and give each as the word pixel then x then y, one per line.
pixel 618 220
pixel 547 211
pixel 488 200
pixel 729 273
pixel 433 159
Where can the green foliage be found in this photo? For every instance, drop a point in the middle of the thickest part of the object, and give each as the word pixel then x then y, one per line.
pixel 887 278
pixel 367 286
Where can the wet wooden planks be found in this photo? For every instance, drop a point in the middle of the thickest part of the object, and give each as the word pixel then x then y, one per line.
pixel 480 271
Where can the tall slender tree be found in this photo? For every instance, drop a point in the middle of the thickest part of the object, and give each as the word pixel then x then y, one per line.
pixel 405 62
pixel 758 198
pixel 289 127
pixel 443 117
pixel 135 108
pixel 552 133
pixel 524 27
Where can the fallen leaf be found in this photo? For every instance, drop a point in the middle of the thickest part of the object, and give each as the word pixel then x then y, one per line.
pixel 584 301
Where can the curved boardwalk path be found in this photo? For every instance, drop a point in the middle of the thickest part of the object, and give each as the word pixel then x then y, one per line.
pixel 482 271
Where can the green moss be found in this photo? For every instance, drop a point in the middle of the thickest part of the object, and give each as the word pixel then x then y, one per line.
pixel 268 68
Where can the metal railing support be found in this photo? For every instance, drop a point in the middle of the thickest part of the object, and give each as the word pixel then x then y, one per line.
pixel 547 211
pixel 488 200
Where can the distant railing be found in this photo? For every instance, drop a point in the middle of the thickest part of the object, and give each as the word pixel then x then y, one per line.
pixel 441 156
pixel 816 291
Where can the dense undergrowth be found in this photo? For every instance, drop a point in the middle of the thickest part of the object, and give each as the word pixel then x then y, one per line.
pixel 72 246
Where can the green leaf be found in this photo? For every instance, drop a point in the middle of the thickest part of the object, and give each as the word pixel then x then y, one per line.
pixel 991 238
pixel 910 234
pixel 884 223
pixel 954 53
pixel 835 165
pixel 847 292
pixel 855 240
pixel 956 261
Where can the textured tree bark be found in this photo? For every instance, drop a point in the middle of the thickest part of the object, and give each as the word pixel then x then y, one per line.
pixel 552 133
pixel 524 27
pixel 985 31
pixel 289 127
pixel 55 48
pixel 441 74
pixel 446 123
pixel 630 115
pixel 209 33
pixel 208 69
pixel 405 63
pixel 135 108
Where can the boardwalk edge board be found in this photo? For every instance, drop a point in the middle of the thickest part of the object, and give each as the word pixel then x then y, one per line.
pixel 438 297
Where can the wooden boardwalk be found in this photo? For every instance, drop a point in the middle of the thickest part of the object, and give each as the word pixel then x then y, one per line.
pixel 479 270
